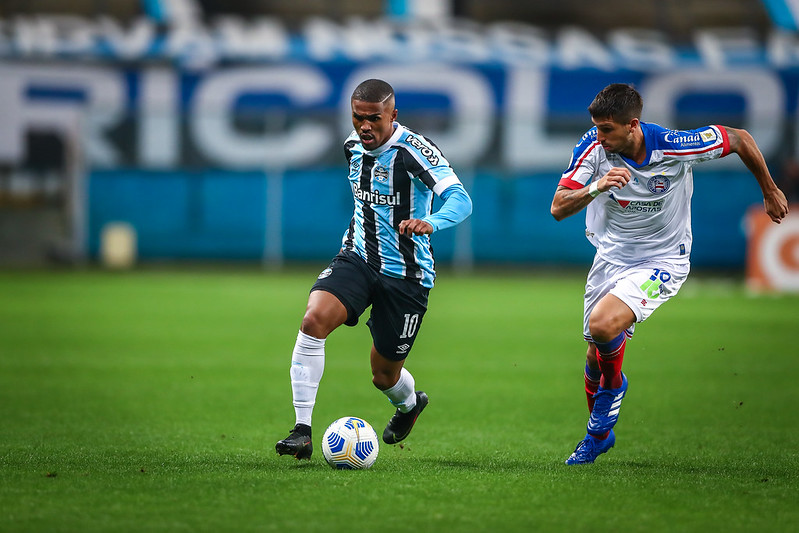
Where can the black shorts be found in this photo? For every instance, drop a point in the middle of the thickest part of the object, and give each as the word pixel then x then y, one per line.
pixel 398 305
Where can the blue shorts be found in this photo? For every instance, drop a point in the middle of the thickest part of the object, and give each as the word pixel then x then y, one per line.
pixel 398 305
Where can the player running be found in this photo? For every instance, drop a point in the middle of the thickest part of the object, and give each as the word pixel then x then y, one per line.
pixel 635 180
pixel 385 261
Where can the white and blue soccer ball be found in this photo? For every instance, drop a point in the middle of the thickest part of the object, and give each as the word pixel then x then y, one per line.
pixel 350 443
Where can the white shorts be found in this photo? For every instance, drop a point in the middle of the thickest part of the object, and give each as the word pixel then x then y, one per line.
pixel 643 287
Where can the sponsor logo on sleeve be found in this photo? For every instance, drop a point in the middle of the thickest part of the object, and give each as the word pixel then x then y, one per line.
pixel 708 135
pixel 425 150
pixel 683 139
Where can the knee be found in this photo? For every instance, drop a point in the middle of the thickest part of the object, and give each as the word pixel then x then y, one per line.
pixel 323 314
pixel 384 380
pixel 315 325
pixel 602 328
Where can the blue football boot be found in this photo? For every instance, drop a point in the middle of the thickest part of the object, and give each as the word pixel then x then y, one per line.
pixel 607 403
pixel 590 448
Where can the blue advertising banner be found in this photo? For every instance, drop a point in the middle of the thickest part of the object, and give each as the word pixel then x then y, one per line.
pixel 295 115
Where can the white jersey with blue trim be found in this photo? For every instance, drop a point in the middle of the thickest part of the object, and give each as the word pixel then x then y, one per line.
pixel 649 218
pixel 392 183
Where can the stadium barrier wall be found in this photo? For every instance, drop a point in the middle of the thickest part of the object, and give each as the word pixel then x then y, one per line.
pixel 223 215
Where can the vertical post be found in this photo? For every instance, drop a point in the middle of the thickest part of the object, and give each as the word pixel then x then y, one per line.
pixel 77 193
pixel 75 189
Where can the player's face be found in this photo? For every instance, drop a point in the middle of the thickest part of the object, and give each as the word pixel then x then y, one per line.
pixel 373 121
pixel 615 137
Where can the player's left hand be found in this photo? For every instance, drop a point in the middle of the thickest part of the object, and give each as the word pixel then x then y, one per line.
pixel 776 206
pixel 415 226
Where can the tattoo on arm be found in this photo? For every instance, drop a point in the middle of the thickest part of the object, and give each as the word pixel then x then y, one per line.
pixel 569 201
pixel 576 196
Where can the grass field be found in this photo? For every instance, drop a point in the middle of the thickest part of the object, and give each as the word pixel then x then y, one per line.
pixel 151 401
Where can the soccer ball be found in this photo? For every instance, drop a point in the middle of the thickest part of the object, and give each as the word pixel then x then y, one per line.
pixel 350 443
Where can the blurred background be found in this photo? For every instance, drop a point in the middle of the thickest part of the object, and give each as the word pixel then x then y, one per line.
pixel 143 131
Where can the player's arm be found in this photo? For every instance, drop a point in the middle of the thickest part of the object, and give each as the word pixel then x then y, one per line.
pixel 743 144
pixel 570 201
pixel 456 208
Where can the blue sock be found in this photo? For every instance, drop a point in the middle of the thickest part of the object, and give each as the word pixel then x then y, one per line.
pixel 593 375
pixel 610 347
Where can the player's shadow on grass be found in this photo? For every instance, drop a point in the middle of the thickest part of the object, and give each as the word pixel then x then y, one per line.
pixel 496 465
pixel 688 466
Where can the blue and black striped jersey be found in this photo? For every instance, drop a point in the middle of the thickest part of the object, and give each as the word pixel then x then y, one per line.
pixel 392 183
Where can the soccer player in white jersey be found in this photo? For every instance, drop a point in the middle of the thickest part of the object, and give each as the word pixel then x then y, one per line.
pixel 635 181
pixel 385 261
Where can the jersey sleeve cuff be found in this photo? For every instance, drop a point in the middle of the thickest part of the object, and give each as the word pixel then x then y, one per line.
pixel 570 184
pixel 442 185
pixel 725 140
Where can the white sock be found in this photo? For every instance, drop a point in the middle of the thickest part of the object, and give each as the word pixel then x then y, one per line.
pixel 403 394
pixel 307 367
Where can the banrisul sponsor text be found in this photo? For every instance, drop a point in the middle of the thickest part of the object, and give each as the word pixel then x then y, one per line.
pixel 375 197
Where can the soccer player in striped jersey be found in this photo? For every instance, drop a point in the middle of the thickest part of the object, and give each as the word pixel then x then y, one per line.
pixel 385 261
pixel 635 181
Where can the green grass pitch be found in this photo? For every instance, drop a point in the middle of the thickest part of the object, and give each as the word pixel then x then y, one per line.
pixel 151 401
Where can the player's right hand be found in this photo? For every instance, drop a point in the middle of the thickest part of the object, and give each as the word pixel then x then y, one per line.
pixel 616 177
pixel 776 205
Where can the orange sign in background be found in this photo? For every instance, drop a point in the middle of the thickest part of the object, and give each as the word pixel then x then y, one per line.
pixel 772 251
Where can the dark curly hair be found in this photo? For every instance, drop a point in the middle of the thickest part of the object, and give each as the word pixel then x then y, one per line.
pixel 619 102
